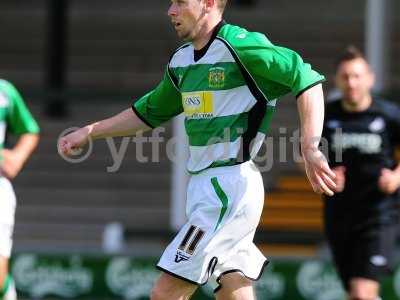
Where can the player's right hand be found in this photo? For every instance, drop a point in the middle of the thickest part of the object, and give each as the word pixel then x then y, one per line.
pixel 73 142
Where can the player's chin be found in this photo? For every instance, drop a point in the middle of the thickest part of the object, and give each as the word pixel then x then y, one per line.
pixel 185 36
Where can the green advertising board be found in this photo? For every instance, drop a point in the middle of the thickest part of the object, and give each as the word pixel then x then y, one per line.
pixel 117 277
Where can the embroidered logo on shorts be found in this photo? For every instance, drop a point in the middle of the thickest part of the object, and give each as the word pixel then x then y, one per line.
pixel 189 244
pixel 216 77
pixel 180 256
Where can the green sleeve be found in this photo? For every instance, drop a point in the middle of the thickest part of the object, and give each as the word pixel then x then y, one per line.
pixel 19 118
pixel 280 70
pixel 161 104
pixel 276 70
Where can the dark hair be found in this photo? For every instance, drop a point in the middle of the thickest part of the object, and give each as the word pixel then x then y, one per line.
pixel 351 52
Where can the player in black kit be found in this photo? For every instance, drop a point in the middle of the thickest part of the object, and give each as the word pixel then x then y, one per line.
pixel 362 132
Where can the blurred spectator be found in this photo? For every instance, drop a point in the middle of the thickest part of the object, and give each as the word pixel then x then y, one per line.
pixel 360 219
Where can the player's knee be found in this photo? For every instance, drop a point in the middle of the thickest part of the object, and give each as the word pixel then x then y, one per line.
pixel 364 289
pixel 162 293
pixel 235 286
pixel 363 295
pixel 235 280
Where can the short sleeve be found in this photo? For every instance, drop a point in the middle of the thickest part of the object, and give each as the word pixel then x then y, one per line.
pixel 276 70
pixel 19 119
pixel 280 70
pixel 161 104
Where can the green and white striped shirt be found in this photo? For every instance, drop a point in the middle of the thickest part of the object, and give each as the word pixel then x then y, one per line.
pixel 14 115
pixel 228 93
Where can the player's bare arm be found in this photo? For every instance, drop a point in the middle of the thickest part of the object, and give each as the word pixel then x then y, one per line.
pixel 340 179
pixel 123 124
pixel 389 180
pixel 311 112
pixel 15 158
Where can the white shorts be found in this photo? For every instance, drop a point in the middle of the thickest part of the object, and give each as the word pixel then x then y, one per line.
pixel 224 206
pixel 7 215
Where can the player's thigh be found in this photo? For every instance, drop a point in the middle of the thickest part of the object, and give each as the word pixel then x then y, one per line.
pixel 234 286
pixel 7 212
pixel 375 251
pixel 7 202
pixel 168 287
pixel 341 245
pixel 363 289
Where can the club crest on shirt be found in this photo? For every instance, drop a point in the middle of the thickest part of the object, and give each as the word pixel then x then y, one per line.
pixel 377 125
pixel 216 77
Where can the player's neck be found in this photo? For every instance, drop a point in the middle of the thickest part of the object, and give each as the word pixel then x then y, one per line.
pixel 205 33
pixel 360 106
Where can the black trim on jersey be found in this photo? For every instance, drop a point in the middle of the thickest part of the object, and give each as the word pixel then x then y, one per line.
pixel 141 117
pixel 198 54
pixel 239 271
pixel 251 83
pixel 174 80
pixel 309 87
pixel 255 117
pixel 257 113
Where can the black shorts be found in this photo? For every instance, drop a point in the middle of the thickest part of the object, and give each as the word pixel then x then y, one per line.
pixel 361 248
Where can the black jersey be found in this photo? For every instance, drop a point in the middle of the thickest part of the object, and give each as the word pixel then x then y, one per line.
pixel 363 142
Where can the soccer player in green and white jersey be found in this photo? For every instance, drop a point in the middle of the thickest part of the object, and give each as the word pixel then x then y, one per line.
pixel 16 119
pixel 226 81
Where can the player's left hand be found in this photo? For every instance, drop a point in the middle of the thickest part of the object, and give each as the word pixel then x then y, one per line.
pixel 11 163
pixel 321 177
pixel 389 181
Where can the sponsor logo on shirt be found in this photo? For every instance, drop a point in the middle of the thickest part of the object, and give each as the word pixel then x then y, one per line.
pixel 198 105
pixel 216 77
pixel 368 143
